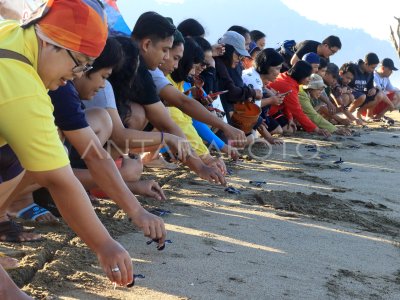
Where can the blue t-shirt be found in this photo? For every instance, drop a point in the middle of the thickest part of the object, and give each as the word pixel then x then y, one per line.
pixel 69 111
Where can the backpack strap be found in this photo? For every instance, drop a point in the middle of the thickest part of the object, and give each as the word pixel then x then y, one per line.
pixel 4 53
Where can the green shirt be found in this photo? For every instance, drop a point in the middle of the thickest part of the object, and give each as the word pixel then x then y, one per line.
pixel 312 114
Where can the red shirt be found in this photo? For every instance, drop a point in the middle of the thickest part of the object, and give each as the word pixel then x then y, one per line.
pixel 290 106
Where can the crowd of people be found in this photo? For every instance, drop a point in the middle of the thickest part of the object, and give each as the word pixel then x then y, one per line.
pixel 84 109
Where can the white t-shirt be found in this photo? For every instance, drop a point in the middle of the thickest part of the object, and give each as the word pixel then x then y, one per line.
pixel 384 84
pixel 252 79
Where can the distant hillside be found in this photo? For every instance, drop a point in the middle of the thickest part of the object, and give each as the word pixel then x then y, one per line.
pixel 272 17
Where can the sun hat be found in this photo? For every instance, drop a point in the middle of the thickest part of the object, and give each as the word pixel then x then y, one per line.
pixel 316 83
pixel 236 40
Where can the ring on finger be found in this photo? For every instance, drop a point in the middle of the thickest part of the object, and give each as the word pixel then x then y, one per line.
pixel 116 269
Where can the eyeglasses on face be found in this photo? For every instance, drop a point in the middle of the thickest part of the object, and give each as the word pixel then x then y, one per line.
pixel 333 51
pixel 78 67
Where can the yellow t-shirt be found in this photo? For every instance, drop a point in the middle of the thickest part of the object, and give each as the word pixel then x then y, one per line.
pixel 26 111
pixel 185 123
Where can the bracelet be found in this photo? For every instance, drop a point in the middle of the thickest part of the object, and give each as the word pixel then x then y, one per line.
pixel 162 137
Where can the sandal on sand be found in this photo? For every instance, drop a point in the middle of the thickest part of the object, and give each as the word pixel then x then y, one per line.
pixel 10 231
pixel 34 211
pixel 7 262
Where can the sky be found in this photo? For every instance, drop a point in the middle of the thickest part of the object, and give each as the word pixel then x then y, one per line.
pixel 371 17
pixel 374 17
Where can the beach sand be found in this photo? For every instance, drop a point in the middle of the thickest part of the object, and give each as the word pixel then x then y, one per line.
pixel 313 231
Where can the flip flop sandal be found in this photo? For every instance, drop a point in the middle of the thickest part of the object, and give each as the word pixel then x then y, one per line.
pixel 32 212
pixel 12 232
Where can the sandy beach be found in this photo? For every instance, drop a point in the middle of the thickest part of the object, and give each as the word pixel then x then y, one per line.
pixel 316 229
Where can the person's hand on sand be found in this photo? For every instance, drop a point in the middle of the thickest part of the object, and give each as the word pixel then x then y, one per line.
pixel 235 137
pixel 115 262
pixel 180 146
pixel 323 132
pixel 216 163
pixel 149 188
pixel 274 141
pixel 231 151
pixel 345 122
pixel 151 225
pixel 211 175
pixel 343 131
